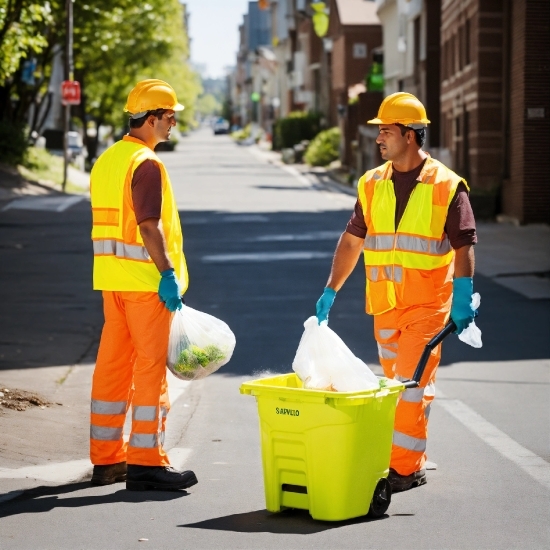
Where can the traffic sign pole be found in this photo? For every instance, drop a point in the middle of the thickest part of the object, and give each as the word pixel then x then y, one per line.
pixel 68 76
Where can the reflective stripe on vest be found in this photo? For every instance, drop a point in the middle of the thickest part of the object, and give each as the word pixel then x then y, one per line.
pixel 385 273
pixel 108 407
pixel 110 247
pixel 103 433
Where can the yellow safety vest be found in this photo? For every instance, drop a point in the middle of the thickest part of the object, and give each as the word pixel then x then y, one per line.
pixel 412 265
pixel 121 261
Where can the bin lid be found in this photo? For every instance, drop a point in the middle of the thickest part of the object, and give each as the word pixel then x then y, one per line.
pixel 290 386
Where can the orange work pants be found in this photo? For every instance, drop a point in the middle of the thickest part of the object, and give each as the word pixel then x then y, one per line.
pixel 131 370
pixel 401 335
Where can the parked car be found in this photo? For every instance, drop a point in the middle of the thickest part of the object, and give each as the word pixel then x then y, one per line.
pixel 221 126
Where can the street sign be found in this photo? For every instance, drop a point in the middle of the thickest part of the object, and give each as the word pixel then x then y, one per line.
pixel 70 92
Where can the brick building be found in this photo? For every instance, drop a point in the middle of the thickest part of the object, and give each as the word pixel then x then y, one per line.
pixel 354 31
pixel 495 103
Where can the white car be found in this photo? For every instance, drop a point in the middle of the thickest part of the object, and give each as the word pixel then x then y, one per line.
pixel 221 126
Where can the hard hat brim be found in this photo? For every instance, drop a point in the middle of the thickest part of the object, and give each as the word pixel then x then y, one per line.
pixel 405 122
pixel 177 107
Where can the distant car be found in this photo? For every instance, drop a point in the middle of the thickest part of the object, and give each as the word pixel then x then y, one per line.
pixel 76 146
pixel 221 126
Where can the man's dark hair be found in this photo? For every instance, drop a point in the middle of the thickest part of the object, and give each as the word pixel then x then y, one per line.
pixel 139 122
pixel 419 135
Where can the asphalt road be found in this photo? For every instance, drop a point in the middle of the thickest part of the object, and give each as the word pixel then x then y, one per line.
pixel 259 243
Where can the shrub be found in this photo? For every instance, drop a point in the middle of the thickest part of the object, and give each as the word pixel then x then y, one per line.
pixel 13 142
pixel 324 148
pixel 295 128
pixel 243 133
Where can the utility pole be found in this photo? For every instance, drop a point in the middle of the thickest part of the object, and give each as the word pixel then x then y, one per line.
pixel 69 75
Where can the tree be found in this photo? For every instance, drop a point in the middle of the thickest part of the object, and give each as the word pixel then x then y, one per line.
pixel 20 24
pixel 208 105
pixel 118 43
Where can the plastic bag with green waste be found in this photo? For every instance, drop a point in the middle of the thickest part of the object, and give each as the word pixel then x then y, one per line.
pixel 199 344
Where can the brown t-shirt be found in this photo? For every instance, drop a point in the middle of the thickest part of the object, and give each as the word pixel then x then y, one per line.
pixel 147 191
pixel 460 226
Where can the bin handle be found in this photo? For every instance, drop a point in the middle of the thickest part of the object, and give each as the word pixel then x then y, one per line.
pixel 436 340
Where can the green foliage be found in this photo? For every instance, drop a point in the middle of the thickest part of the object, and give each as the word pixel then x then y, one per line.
pixel 21 32
pixel 243 133
pixel 194 357
pixel 298 126
pixel 39 165
pixel 119 42
pixel 116 44
pixel 208 105
pixel 324 148
pixel 13 142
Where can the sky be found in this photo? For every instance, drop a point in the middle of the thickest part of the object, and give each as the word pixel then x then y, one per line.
pixel 214 32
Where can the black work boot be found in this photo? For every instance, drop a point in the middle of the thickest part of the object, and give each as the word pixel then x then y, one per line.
pixel 403 483
pixel 110 473
pixel 142 478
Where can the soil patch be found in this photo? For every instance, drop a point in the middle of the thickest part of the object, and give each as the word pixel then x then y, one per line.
pixel 19 400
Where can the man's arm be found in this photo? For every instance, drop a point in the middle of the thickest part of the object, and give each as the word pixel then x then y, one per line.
pixel 155 243
pixel 464 261
pixel 347 253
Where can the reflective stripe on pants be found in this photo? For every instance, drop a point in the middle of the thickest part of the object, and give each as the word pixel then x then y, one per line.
pixel 406 332
pixel 131 368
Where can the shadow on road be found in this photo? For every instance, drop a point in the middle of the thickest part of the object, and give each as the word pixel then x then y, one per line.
pixel 44 498
pixel 291 522
pixel 51 316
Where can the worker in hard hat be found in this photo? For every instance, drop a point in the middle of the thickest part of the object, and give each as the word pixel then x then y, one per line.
pixel 414 223
pixel 140 268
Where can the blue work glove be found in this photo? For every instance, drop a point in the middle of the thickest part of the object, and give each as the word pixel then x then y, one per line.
pixel 462 312
pixel 324 304
pixel 169 290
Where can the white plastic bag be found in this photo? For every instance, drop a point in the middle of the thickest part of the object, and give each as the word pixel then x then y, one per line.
pixel 324 362
pixel 471 335
pixel 199 344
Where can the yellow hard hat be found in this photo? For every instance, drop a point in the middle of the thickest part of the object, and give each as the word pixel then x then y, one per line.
pixel 149 95
pixel 401 108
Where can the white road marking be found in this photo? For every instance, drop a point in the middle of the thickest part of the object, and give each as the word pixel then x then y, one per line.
pixel 528 461
pixel 53 204
pixel 309 236
pixel 265 257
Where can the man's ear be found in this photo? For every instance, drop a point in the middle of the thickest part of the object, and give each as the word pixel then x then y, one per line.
pixel 151 120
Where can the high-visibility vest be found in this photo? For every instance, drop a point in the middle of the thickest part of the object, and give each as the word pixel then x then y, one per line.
pixel 412 265
pixel 121 261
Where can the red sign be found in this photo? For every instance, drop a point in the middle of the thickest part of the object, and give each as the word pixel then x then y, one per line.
pixel 70 92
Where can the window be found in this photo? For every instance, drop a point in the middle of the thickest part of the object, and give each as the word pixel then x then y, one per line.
pixel 359 51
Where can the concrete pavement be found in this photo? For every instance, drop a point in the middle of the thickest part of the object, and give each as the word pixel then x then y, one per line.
pixel 259 242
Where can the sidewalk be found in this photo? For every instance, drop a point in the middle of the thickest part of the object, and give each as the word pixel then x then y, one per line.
pixel 50 322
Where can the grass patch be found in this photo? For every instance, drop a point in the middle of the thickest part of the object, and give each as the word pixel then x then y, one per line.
pixel 40 166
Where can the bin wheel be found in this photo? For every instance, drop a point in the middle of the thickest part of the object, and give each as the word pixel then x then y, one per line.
pixel 380 499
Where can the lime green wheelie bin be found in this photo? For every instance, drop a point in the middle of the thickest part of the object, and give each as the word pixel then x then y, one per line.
pixel 323 451
pixel 329 452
